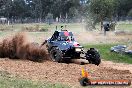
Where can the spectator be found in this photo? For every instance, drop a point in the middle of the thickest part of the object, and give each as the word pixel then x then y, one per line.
pixel 106 28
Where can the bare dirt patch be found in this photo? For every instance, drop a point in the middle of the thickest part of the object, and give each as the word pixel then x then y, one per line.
pixel 61 72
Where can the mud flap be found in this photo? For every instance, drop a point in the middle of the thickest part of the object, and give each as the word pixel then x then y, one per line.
pixel 93 56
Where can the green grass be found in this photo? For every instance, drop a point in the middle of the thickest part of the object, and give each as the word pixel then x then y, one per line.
pixel 1 33
pixel 124 27
pixel 105 53
pixel 7 81
pixel 4 34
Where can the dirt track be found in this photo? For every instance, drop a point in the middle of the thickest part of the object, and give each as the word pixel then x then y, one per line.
pixel 64 73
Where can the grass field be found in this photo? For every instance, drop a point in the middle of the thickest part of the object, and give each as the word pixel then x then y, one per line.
pixel 52 27
pixel 105 53
pixel 77 27
pixel 124 27
pixel 8 81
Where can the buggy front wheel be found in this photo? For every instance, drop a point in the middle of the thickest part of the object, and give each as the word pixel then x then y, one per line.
pixel 56 55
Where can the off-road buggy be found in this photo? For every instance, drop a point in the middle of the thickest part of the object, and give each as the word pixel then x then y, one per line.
pixel 63 47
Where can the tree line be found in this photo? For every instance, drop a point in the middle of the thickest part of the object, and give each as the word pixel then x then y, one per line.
pixel 95 9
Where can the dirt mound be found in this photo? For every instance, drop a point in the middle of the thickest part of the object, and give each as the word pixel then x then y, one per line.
pixel 17 47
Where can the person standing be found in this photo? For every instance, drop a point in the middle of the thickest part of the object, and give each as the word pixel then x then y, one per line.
pixel 106 28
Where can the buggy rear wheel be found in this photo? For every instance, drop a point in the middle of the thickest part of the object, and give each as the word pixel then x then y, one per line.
pixel 56 54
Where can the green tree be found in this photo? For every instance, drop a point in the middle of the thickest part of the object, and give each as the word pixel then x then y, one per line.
pixel 15 8
pixel 5 7
pixel 130 13
pixel 64 7
pixel 38 8
pixel 101 10
pixel 124 7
